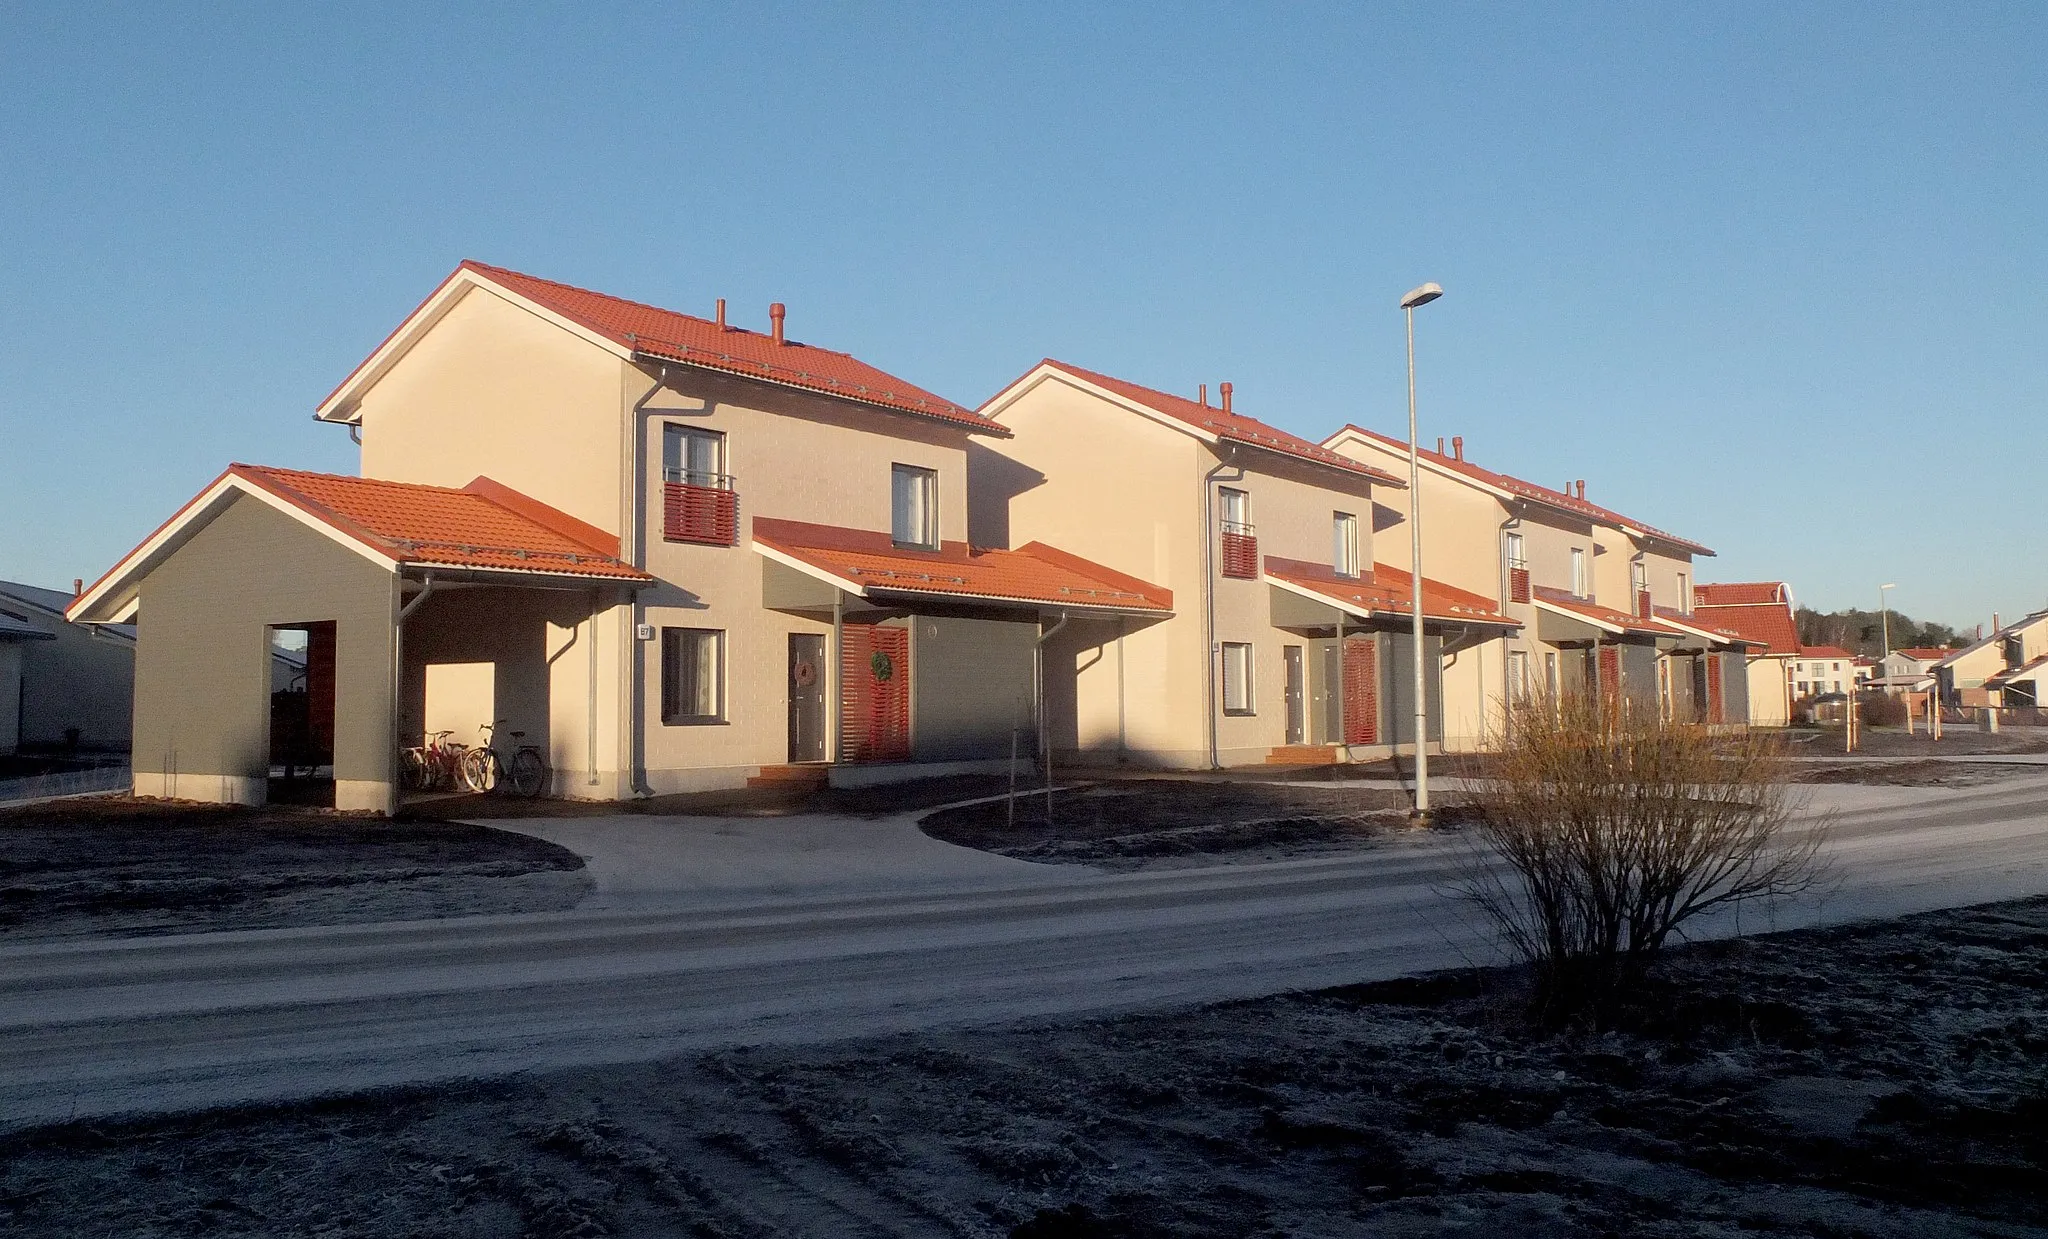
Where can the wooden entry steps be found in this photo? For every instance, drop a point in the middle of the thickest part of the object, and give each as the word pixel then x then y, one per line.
pixel 1303 755
pixel 808 777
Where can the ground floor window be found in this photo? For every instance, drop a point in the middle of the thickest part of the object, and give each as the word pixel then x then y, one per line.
pixel 1518 674
pixel 1237 677
pixel 692 675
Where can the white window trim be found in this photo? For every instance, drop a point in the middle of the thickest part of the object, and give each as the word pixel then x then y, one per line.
pixel 1250 704
pixel 901 468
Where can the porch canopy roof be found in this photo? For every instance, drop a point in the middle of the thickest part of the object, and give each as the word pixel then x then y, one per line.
pixel 2024 671
pixel 484 530
pixel 1563 617
pixel 1385 593
pixel 868 564
pixel 1713 635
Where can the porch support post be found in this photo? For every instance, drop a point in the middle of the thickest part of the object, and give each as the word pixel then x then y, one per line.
pixel 838 676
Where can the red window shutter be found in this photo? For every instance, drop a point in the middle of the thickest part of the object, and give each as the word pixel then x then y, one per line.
pixel 709 515
pixel 1361 691
pixel 1518 584
pixel 1643 604
pixel 1240 555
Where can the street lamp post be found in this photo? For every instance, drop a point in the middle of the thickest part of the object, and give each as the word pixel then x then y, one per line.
pixel 1417 296
pixel 1884 618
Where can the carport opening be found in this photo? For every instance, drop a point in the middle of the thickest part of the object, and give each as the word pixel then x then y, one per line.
pixel 301 760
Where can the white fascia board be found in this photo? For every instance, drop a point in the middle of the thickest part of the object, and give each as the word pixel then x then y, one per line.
pixel 876 592
pixel 342 405
pixel 831 578
pixel 116 592
pixel 1580 616
pixel 1338 604
pixel 1044 371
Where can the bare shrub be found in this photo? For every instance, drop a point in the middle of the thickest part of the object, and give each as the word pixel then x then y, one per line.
pixel 1882 710
pixel 1601 833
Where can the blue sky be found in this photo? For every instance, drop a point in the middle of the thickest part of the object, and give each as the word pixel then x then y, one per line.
pixel 1772 277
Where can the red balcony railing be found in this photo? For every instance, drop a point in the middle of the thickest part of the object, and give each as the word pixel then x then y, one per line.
pixel 1643 604
pixel 1518 583
pixel 1240 551
pixel 700 507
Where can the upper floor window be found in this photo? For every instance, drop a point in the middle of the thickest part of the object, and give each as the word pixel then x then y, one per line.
pixel 1684 594
pixel 694 457
pixel 914 507
pixel 1344 543
pixel 1240 543
pixel 1579 572
pixel 1237 510
pixel 1518 568
pixel 1638 576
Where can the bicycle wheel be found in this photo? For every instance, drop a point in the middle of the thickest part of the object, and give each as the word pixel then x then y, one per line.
pixel 529 773
pixel 481 769
pixel 412 770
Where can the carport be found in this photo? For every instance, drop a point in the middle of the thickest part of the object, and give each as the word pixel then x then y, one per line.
pixel 378 576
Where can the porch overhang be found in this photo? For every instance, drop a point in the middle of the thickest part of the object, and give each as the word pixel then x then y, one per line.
pixel 1300 588
pixel 808 566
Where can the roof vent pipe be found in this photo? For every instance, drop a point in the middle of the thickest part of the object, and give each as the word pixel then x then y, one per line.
pixel 1225 388
pixel 775 316
pixel 1457 447
pixel 1580 487
pixel 78 587
pixel 721 314
pixel 1204 389
pixel 1439 445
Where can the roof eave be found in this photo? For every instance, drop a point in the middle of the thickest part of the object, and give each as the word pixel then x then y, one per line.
pixel 986 427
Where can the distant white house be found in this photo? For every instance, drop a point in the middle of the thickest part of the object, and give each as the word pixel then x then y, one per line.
pixel 62 685
pixel 1909 670
pixel 1822 669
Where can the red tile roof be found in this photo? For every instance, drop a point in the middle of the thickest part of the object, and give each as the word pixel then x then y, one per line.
pixel 1549 498
pixel 1033 573
pixel 1627 621
pixel 668 335
pixel 1232 427
pixel 1388 591
pixel 483 525
pixel 1740 593
pixel 1680 619
pixel 1769 624
pixel 1925 653
pixel 1824 651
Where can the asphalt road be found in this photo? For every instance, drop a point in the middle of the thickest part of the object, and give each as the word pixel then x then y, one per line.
pixel 166 1023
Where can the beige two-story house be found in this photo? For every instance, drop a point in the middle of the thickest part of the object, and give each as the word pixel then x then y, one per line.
pixel 1291 638
pixel 669 552
pixel 1601 602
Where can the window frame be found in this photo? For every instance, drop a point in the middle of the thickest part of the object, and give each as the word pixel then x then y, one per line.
pixel 1224 496
pixel 930 479
pixel 671 686
pixel 1344 544
pixel 1249 706
pixel 718 477
pixel 1580 585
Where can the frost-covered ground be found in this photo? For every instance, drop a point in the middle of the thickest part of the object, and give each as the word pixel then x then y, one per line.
pixel 1886 1079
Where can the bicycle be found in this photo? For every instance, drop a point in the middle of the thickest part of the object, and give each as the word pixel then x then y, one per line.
pixel 483 770
pixel 432 766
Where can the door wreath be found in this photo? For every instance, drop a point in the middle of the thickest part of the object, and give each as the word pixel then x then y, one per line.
pixel 882 667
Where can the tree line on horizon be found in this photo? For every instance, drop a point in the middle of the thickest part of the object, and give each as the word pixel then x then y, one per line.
pixel 1859 632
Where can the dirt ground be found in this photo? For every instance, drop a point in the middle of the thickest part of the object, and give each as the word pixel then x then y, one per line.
pixel 881 801
pixel 109 864
pixel 1157 823
pixel 1908 773
pixel 1882 1080
pixel 1956 741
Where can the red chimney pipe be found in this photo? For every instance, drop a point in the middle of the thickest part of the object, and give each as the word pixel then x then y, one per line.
pixel 775 316
pixel 1226 389
pixel 1458 447
pixel 1204 389
pixel 1439 445
pixel 1581 487
pixel 721 314
pixel 77 587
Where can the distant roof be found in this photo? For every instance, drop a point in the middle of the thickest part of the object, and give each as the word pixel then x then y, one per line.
pixel 1388 591
pixel 1824 651
pixel 1204 419
pixel 1741 593
pixel 669 335
pixel 1925 653
pixel 12 629
pixel 482 527
pixel 54 601
pixel 867 562
pixel 1555 499
pixel 1759 610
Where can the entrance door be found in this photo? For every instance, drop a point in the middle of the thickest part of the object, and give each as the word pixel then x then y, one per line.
pixel 806 696
pixel 1297 694
pixel 1361 691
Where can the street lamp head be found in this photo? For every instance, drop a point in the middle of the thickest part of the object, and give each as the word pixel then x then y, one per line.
pixel 1889 585
pixel 1422 296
